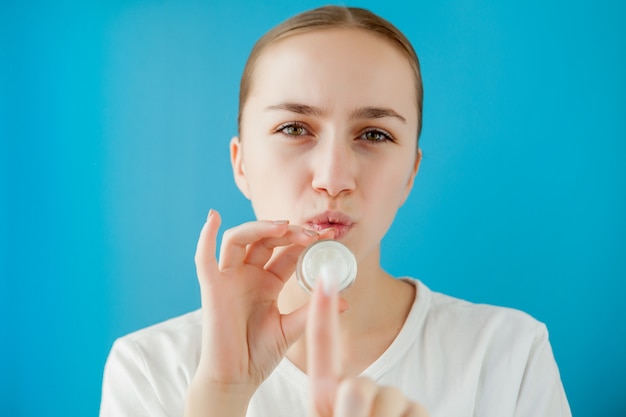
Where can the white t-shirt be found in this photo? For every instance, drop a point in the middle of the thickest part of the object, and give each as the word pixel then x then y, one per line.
pixel 456 358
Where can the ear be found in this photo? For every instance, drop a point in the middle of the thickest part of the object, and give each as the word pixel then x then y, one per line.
pixel 411 181
pixel 239 170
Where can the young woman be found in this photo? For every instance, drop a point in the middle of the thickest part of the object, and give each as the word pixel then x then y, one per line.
pixel 330 115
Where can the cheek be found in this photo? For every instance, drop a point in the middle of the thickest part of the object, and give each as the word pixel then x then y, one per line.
pixel 265 166
pixel 273 181
pixel 388 185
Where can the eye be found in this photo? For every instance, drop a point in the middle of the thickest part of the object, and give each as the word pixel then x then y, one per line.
pixel 376 136
pixel 293 129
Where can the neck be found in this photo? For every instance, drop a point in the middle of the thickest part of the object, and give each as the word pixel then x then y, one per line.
pixel 378 307
pixel 367 294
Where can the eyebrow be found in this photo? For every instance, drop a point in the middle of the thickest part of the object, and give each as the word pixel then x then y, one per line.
pixel 298 108
pixel 360 113
pixel 376 113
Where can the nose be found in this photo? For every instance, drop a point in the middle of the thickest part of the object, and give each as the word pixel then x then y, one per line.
pixel 334 167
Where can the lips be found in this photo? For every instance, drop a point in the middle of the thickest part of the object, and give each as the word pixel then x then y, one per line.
pixel 339 222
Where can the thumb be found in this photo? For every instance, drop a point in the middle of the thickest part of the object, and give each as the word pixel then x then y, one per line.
pixel 293 324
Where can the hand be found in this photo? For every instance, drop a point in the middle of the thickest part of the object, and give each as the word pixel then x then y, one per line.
pixel 332 394
pixel 244 335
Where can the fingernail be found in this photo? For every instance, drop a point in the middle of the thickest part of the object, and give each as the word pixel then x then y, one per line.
pixel 329 279
pixel 211 211
pixel 310 232
pixel 280 221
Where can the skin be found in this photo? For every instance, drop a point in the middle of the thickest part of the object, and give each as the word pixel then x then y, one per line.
pixel 330 126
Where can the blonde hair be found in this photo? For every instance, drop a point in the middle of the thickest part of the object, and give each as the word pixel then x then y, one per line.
pixel 333 17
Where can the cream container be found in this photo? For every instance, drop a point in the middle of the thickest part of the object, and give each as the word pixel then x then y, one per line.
pixel 323 256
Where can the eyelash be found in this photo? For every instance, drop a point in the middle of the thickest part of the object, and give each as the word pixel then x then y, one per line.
pixel 386 137
pixel 297 125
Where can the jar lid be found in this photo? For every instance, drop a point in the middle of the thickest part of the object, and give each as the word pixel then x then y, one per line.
pixel 322 256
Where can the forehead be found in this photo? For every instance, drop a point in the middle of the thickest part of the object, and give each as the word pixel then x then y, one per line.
pixel 335 68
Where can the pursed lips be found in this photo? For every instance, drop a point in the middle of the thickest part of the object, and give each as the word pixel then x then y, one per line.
pixel 339 222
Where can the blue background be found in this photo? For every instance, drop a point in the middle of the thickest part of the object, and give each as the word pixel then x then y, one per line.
pixel 115 118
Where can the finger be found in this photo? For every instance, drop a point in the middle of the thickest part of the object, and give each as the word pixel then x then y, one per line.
pixel 259 253
pixel 323 351
pixel 355 398
pixel 236 240
pixel 294 323
pixel 390 401
pixel 205 259
pixel 415 410
pixel 283 263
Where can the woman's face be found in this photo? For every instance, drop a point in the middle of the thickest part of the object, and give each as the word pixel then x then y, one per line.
pixel 328 135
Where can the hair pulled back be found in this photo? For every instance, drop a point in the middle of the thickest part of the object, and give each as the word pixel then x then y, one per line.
pixel 330 17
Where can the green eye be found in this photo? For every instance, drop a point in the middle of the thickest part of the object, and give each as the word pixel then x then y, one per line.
pixel 294 130
pixel 376 136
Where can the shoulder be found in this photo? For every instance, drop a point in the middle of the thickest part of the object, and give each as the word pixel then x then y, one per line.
pixel 457 319
pixel 445 305
pixel 178 330
pixel 494 360
pixel 147 371
pixel 176 340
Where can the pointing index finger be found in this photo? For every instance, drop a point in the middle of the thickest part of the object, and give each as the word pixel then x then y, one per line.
pixel 323 350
